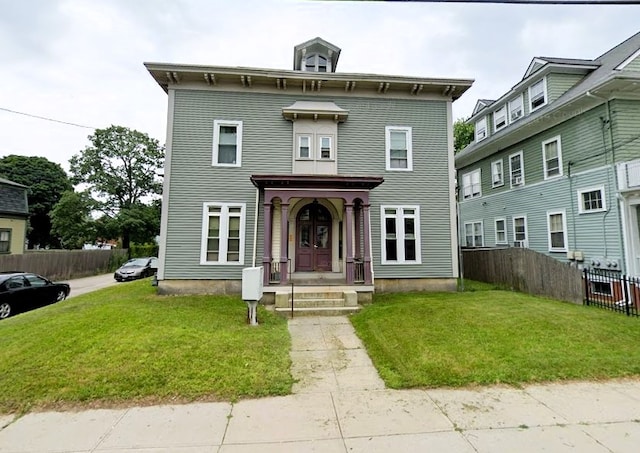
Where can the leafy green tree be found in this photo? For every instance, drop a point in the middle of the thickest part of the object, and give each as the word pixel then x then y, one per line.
pixel 462 134
pixel 71 220
pixel 47 181
pixel 119 168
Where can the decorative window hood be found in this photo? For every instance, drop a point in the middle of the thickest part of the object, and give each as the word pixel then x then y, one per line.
pixel 315 111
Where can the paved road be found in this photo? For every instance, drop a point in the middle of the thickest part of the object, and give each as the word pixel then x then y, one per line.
pixel 88 284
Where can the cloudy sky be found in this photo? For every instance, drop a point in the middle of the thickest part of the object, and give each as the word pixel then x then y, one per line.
pixel 81 62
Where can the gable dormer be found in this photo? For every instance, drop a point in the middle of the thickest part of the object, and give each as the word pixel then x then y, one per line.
pixel 481 104
pixel 315 55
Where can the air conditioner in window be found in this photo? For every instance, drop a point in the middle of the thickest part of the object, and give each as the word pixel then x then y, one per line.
pixel 515 115
pixel 520 244
pixel 517 181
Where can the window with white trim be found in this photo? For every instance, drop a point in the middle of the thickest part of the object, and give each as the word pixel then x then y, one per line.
pixel 304 147
pixel 473 234
pixel 223 233
pixel 324 147
pixel 591 200
pixel 501 231
pixel 552 157
pixel 400 234
pixel 471 187
pixel 500 118
pixel 520 231
pixel 316 63
pixel 537 95
pixel 398 148
pixel 497 173
pixel 516 109
pixel 227 143
pixel 516 169
pixel 481 129
pixel 557 227
pixel 5 240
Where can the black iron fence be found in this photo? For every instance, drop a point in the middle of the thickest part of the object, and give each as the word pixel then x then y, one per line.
pixel 612 291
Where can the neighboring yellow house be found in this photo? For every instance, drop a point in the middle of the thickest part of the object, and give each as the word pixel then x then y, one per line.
pixel 14 213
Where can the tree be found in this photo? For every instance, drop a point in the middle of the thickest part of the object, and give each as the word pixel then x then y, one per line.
pixel 462 134
pixel 119 168
pixel 47 181
pixel 71 220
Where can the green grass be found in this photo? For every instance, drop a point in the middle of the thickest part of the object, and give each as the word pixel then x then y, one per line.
pixel 492 336
pixel 127 344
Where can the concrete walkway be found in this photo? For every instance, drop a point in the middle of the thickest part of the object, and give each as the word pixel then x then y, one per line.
pixel 340 405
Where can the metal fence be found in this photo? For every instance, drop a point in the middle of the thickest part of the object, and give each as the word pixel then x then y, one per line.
pixel 612 291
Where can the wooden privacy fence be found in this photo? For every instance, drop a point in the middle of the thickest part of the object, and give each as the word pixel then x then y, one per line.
pixel 524 270
pixel 64 264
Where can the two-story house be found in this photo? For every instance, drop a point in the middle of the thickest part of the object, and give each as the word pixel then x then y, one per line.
pixel 555 165
pixel 14 214
pixel 318 176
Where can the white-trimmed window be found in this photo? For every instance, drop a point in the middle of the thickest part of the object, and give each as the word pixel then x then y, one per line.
pixel 520 231
pixel 5 241
pixel 500 118
pixel 516 109
pixel 400 234
pixel 537 94
pixel 481 129
pixel 227 143
pixel 398 148
pixel 304 147
pixel 223 233
pixel 552 157
pixel 557 227
pixel 501 231
pixel 516 169
pixel 473 234
pixel 325 150
pixel 591 200
pixel 497 173
pixel 471 187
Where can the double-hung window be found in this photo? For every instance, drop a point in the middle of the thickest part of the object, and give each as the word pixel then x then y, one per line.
pixel 552 157
pixel 223 233
pixel 398 148
pixel 520 231
pixel 516 169
pixel 537 95
pixel 474 234
pixel 227 143
pixel 500 118
pixel 516 109
pixel 481 129
pixel 557 224
pixel 497 173
pixel 591 200
pixel 324 146
pixel 304 147
pixel 501 231
pixel 400 234
pixel 471 187
pixel 5 241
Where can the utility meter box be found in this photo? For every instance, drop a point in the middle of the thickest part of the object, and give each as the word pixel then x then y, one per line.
pixel 252 278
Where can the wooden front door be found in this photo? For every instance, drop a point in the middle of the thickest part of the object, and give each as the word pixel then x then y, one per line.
pixel 313 239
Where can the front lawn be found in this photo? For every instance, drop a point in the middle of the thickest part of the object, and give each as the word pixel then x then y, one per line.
pixel 492 336
pixel 126 344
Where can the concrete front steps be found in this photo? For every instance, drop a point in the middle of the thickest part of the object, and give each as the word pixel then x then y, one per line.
pixel 316 301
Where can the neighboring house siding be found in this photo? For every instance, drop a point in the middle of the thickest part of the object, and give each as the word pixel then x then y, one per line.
pixel 558 84
pixel 267 148
pixel 625 116
pixel 633 65
pixel 18 229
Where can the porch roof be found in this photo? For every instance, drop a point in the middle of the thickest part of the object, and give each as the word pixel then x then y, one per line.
pixel 316 182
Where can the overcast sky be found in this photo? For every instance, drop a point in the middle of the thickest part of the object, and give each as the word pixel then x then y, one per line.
pixel 81 61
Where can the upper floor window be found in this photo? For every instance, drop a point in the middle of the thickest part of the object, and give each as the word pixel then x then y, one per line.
pixel 497 174
pixel 316 63
pixel 304 147
pixel 557 224
pixel 501 231
pixel 537 95
pixel 516 109
pixel 471 187
pixel 516 169
pixel 227 143
pixel 591 200
pixel 398 148
pixel 500 118
pixel 223 230
pixel 325 148
pixel 5 241
pixel 481 129
pixel 400 234
pixel 552 157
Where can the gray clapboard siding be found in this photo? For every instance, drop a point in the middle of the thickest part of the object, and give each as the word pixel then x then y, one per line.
pixel 558 84
pixel 625 115
pixel 633 65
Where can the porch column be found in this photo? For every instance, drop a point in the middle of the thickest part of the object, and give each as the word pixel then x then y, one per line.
pixel 358 226
pixel 284 241
pixel 367 245
pixel 349 254
pixel 266 254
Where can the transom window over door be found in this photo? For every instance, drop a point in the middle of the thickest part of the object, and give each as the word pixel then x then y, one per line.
pixel 400 235
pixel 227 143
pixel 223 230
pixel 398 148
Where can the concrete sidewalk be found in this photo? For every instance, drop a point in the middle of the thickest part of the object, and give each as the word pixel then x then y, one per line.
pixel 340 405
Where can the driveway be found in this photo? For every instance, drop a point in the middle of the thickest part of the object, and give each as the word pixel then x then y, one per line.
pixel 88 284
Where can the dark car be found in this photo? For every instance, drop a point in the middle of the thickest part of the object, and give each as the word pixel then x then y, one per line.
pixel 23 291
pixel 137 268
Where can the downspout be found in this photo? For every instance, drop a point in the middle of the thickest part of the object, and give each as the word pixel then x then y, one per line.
pixel 255 229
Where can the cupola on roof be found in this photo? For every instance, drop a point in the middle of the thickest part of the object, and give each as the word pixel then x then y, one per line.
pixel 315 55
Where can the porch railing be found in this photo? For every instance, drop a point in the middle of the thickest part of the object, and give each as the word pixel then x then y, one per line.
pixel 612 291
pixel 358 271
pixel 274 274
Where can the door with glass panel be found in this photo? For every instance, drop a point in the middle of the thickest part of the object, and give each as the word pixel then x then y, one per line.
pixel 313 239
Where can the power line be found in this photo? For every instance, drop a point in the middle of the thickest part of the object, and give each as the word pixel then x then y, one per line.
pixel 531 2
pixel 46 118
